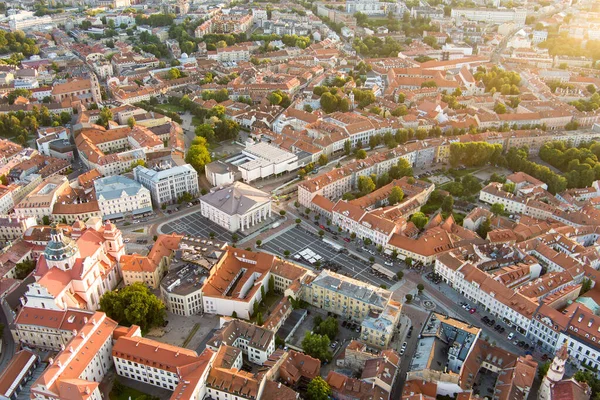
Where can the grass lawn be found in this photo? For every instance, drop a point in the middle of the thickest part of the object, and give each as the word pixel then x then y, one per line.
pixel 459 173
pixel 126 394
pixel 170 107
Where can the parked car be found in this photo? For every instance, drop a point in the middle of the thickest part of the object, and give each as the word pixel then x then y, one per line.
pixel 511 335
pixel 472 311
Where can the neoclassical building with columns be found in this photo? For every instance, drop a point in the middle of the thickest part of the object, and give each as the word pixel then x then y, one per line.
pixel 236 207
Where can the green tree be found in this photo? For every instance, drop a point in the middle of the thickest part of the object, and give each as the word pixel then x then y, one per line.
pixel 543 369
pixel 323 160
pixel 174 73
pixel 105 117
pixel 198 155
pixel 274 98
pixel 361 154
pixel 448 204
pixel 399 275
pixel 271 283
pixel 282 213
pixel 134 305
pixel 46 220
pixel 420 288
pixel 509 187
pixel 318 389
pixel 329 327
pixel 409 298
pixel 591 88
pixel 12 96
pixel 259 319
pixel 396 195
pixel 316 346
pixel 484 228
pixel 500 108
pixel 206 131
pixel 497 209
pixel 347 147
pixel 24 268
pixel 419 219
pixel 586 285
pixel 365 185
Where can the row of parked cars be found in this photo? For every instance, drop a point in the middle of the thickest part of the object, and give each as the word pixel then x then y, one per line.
pixel 353 326
pixel 467 307
pixel 491 322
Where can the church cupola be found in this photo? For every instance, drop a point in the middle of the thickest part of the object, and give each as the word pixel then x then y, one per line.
pixel 60 251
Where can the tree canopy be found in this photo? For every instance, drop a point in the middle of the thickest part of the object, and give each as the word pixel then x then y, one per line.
pixel 419 219
pixel 499 80
pixel 134 305
pixel 580 164
pixel 198 155
pixel 316 346
pixel 396 196
pixel 318 389
pixel 517 161
pixel 474 154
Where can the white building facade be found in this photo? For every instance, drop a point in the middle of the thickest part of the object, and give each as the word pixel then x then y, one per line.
pixel 167 185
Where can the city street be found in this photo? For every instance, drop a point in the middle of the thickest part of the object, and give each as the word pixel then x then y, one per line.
pixel 298 239
pixel 449 300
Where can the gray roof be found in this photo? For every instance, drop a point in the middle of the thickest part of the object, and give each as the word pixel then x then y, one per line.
pixel 112 187
pixel 237 198
pixel 157 175
pixel 364 292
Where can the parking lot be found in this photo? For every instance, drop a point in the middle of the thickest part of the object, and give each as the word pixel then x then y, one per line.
pixel 196 225
pixel 298 239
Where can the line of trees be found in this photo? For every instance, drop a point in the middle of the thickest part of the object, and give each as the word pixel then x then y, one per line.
pixel 580 164
pixel 517 161
pixel 475 154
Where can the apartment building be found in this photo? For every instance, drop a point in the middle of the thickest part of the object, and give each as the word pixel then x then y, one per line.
pixel 167 185
pixel 18 372
pixel 181 289
pixel 159 364
pixel 86 90
pixel 120 197
pixel 7 202
pixel 236 207
pixel 113 151
pixel 81 365
pixel 230 54
pixel 151 268
pixel 13 227
pixel 491 15
pixel 48 329
pixel 40 202
pixel 256 342
pixel 378 328
pixel 235 282
pixel 345 296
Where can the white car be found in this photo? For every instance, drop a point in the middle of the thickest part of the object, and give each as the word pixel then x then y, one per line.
pixel 511 335
pixel 389 264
